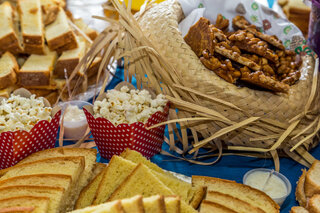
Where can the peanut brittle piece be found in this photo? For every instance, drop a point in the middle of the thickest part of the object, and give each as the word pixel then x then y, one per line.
pixel 263 62
pixel 219 34
pixel 258 78
pixel 246 41
pixel 239 22
pixel 200 37
pixel 235 56
pixel 222 23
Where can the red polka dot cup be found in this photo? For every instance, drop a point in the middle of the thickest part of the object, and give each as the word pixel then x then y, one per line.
pixel 113 140
pixel 17 145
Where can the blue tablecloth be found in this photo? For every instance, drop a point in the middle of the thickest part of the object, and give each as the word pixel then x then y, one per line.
pixel 229 167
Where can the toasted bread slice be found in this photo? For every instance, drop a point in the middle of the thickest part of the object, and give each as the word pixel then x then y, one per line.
pixel 55 194
pixel 31 26
pixel 9 36
pixel 232 203
pixel 88 193
pixel 116 172
pixel 209 207
pixel 37 70
pixel 298 209
pixel 59 34
pixel 91 33
pixel 300 193
pixel 69 60
pixel 314 204
pixel 253 196
pixel 110 207
pixel 134 204
pixel 40 204
pixel 154 204
pixel 172 204
pixel 17 209
pixel 8 69
pixel 312 181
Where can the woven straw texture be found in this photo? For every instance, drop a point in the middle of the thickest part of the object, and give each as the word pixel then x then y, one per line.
pixel 160 25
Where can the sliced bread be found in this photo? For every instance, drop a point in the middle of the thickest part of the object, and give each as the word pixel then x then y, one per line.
pixel 314 204
pixel 300 193
pixel 37 70
pixel 31 26
pixel 312 180
pixel 110 207
pixel 154 204
pixel 172 204
pixel 133 204
pixel 232 203
pixel 16 209
pixel 88 193
pixel 210 207
pixel 196 195
pixel 55 194
pixel 69 60
pixel 9 37
pixel 245 193
pixel 8 69
pixel 40 204
pixel 298 209
pixel 116 172
pixel 59 34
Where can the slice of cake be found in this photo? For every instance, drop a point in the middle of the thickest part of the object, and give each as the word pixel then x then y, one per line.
pixel 8 69
pixel 209 207
pixel 88 193
pixel 134 204
pixel 243 192
pixel 55 194
pixel 31 26
pixel 69 60
pixel 50 9
pixel 110 207
pixel 154 204
pixel 312 182
pixel 40 204
pixel 91 33
pixel 93 68
pixel 37 70
pixel 172 204
pixel 9 37
pixel 59 34
pixel 232 203
pixel 116 172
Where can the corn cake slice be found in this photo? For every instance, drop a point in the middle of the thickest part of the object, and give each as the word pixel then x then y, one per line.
pixel 133 204
pixel 31 26
pixel 8 69
pixel 110 207
pixel 172 204
pixel 40 204
pixel 154 204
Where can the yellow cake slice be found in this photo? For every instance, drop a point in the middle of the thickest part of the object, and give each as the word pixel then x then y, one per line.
pixel 40 204
pixel 110 207
pixel 91 33
pixel 8 69
pixel 55 194
pixel 172 204
pixel 133 204
pixel 243 192
pixel 87 194
pixel 211 207
pixel 154 204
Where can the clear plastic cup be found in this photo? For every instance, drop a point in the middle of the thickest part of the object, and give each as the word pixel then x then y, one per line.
pixel 74 129
pixel 278 200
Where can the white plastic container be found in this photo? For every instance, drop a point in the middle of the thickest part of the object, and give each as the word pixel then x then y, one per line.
pixel 278 187
pixel 74 122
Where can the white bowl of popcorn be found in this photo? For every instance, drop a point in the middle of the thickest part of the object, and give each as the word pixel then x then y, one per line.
pixel 27 125
pixel 120 118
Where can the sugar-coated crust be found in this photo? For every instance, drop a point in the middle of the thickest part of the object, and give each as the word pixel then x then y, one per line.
pixel 235 184
pixel 10 78
pixel 63 42
pixel 310 186
pixel 314 204
pixel 35 78
pixel 68 64
pixel 198 196
pixel 215 205
pixel 79 159
pixel 300 192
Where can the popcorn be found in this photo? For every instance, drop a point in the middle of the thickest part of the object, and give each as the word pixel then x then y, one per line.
pixel 20 113
pixel 128 106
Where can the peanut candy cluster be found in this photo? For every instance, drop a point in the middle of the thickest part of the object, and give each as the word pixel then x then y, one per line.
pixel 245 55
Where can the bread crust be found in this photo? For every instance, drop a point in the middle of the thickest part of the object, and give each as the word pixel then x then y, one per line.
pixel 34 49
pixel 216 206
pixel 66 41
pixel 313 204
pixel 36 78
pixel 310 186
pixel 300 193
pixel 10 42
pixel 198 196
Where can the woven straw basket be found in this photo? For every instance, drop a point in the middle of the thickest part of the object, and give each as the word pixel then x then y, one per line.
pixel 220 115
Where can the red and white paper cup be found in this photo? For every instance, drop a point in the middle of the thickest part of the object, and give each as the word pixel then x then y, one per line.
pixel 17 145
pixel 113 140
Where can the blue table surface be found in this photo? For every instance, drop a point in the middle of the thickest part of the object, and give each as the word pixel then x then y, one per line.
pixel 228 167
